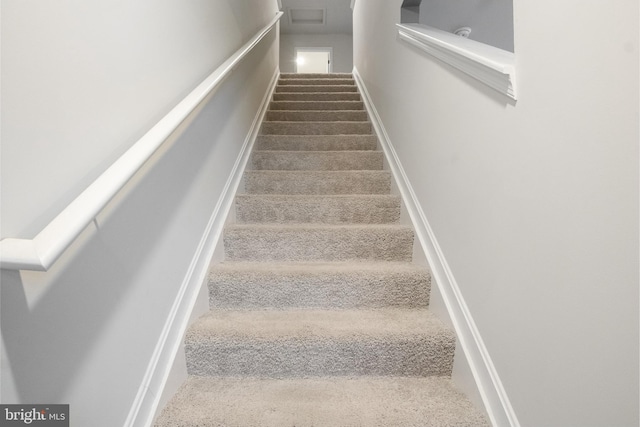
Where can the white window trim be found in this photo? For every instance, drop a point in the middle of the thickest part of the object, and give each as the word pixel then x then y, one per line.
pixel 490 65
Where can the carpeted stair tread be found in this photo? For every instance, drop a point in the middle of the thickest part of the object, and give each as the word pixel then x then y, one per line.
pixel 318 242
pixel 320 402
pixel 316 81
pixel 267 325
pixel 316 88
pixel 251 285
pixel 317 96
pixel 316 160
pixel 317 182
pixel 308 342
pixel 331 209
pixel 316 142
pixel 317 116
pixel 316 105
pixel 315 128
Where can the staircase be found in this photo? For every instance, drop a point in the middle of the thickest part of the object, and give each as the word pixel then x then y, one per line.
pixel 318 317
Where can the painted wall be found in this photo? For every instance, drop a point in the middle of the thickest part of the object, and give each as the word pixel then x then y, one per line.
pixel 534 203
pixel 491 21
pixel 80 83
pixel 342 45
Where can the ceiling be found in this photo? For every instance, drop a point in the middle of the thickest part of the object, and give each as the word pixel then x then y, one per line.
pixel 316 17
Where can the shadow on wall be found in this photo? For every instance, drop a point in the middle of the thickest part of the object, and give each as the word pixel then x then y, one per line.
pixel 485 21
pixel 52 322
pixel 95 316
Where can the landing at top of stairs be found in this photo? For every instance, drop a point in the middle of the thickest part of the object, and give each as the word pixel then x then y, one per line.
pixel 316 76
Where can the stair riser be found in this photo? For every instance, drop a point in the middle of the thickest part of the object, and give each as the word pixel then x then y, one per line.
pixel 316 142
pixel 324 244
pixel 331 290
pixel 310 183
pixel 318 88
pixel 311 97
pixel 411 356
pixel 325 210
pixel 315 82
pixel 317 116
pixel 328 161
pixel 321 105
pixel 316 128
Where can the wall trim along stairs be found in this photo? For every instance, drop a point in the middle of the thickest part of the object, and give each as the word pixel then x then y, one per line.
pixel 490 387
pixel 147 400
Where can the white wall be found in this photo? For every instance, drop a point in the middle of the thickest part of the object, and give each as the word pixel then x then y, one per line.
pixel 534 204
pixel 491 21
pixel 342 45
pixel 80 83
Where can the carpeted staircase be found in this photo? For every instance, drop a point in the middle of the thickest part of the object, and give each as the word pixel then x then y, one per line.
pixel 318 317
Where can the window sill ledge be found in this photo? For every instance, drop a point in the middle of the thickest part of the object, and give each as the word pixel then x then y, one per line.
pixel 490 65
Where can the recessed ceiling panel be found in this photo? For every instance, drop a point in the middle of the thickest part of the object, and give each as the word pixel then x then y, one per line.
pixel 317 17
pixel 307 16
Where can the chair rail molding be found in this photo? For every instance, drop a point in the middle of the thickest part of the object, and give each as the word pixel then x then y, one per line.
pixel 41 252
pixel 488 64
pixel 489 385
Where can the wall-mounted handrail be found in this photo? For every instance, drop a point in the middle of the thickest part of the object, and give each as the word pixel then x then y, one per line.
pixel 492 66
pixel 47 246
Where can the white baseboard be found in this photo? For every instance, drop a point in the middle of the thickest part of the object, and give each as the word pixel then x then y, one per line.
pixel 490 387
pixel 147 400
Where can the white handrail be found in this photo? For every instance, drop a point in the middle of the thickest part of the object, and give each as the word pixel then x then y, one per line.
pixel 43 250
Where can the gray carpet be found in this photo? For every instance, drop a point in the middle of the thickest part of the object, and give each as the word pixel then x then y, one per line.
pixel 325 160
pixel 318 316
pixel 331 209
pixel 327 401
